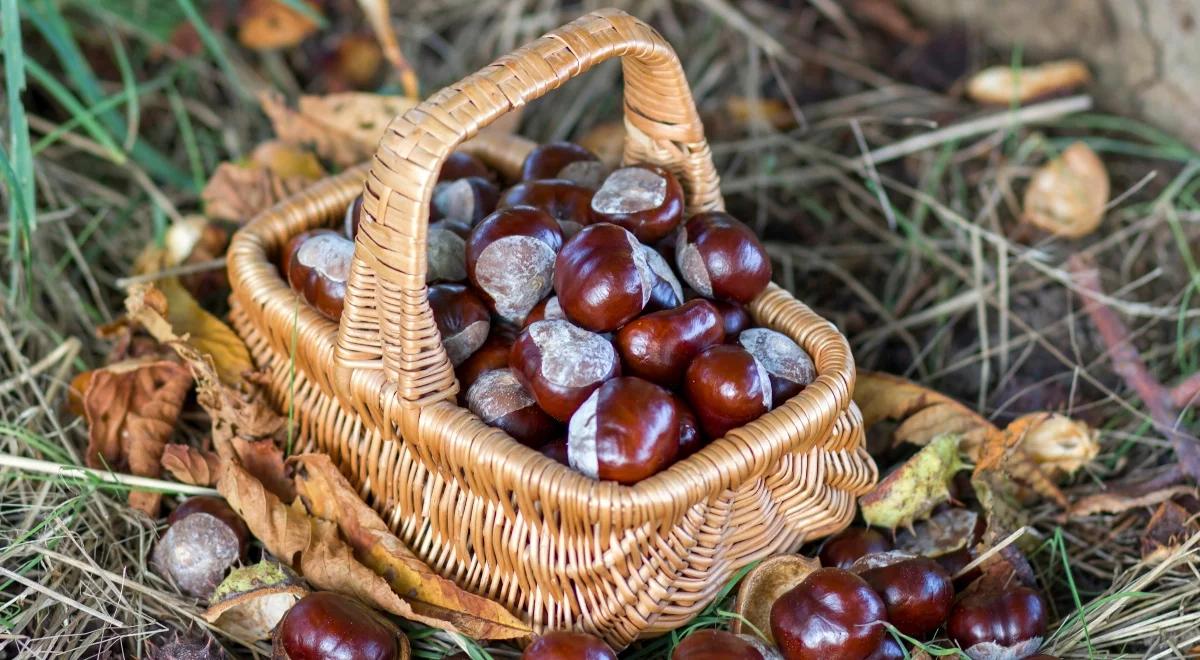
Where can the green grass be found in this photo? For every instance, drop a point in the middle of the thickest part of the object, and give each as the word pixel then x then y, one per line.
pixel 18 157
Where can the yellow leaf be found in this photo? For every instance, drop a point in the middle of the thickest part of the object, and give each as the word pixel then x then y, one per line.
pixel 912 490
pixel 1002 85
pixel 1067 195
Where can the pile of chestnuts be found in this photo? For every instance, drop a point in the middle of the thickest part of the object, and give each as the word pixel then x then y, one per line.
pixel 585 314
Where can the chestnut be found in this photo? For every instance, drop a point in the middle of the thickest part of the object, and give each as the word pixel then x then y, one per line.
pixel 492 355
pixel 710 644
pixel 329 626
pixel 317 264
pixel 665 290
pixel 556 450
pixel 500 400
pixel 562 364
pixel 467 200
pixel 726 387
pixel 563 200
pixel 889 649
pixel 353 218
pixel 460 165
pixel 218 508
pixel 547 310
pixel 547 160
pixel 660 346
pixel 722 258
pixel 205 538
pixel 917 593
pixel 734 317
pixel 510 259
pixel 832 613
pixel 851 544
pixel 446 252
pixel 627 430
pixel 1013 619
pixel 790 366
pixel 690 438
pixel 462 319
pixel 955 561
pixel 602 278
pixel 645 199
pixel 564 645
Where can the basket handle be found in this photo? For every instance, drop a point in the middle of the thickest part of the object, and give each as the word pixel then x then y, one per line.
pixel 662 127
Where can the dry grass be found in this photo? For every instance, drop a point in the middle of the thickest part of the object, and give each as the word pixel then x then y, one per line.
pixel 889 208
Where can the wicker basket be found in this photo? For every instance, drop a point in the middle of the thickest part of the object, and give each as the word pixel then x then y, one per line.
pixel 377 391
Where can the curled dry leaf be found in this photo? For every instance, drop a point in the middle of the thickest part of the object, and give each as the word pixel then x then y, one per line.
pixel 343 128
pixel 1169 527
pixel 925 414
pixel 190 465
pixel 271 24
pixel 1059 444
pixel 1067 195
pixel 239 191
pixel 329 496
pixel 1116 502
pixel 944 532
pixel 763 585
pixel 1002 85
pixel 131 409
pixel 912 490
pixel 251 600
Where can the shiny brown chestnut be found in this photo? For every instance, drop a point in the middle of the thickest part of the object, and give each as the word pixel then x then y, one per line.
pixel 563 200
pixel 726 387
pixel 916 591
pixel 660 346
pixel 710 644
pixel 889 649
pixel 563 645
pixel 467 200
pixel 353 218
pixel 851 544
pixel 602 278
pixel 722 258
pixel 955 561
pixel 317 264
pixel 500 400
pixel 510 259
pixel 735 318
pixel 492 355
pixel 690 438
pixel 462 319
pixel 329 626
pixel 218 508
pixel 645 199
pixel 831 614
pixel 665 290
pixel 1011 620
pixel 556 450
pixel 627 430
pixel 460 165
pixel 549 159
pixel 562 364
pixel 547 310
pixel 790 366
pixel 446 252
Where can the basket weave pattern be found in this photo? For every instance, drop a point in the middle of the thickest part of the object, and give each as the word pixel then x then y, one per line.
pixel 377 391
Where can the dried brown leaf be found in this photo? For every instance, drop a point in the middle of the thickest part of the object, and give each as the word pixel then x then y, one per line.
pixel 343 128
pixel 1057 443
pixel 1169 527
pixel 1067 195
pixel 1002 85
pixel 944 532
pixel 263 458
pixel 190 465
pixel 1118 502
pixel 329 496
pixel 271 24
pixel 131 409
pixel 764 584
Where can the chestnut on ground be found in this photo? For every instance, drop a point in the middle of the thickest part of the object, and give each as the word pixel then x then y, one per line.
pixel 562 645
pixel 204 540
pixel 722 258
pixel 831 614
pixel 462 319
pixel 888 649
pixel 627 430
pixel 712 644
pixel 500 400
pixel 562 364
pixel 602 278
pixel 1006 623
pixel 329 626
pixel 726 387
pixel 317 264
pixel 659 346
pixel 645 199
pixel 849 545
pixel 790 366
pixel 510 259
pixel 916 591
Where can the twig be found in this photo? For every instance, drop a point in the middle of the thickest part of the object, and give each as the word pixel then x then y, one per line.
pixel 173 271
pixel 68 350
pixel 82 473
pixel 1186 393
pixel 1004 543
pixel 1128 363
